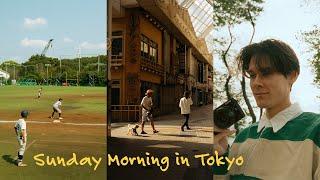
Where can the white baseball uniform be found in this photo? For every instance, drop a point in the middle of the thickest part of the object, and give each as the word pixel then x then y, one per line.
pixel 56 106
pixel 21 125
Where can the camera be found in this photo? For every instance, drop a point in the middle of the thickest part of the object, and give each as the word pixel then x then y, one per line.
pixel 227 114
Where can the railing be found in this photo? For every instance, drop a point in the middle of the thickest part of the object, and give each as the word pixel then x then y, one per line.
pixel 125 113
pixel 148 65
pixel 116 60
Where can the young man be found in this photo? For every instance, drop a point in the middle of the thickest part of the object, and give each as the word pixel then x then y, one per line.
pixel 184 104
pixel 56 108
pixel 285 143
pixel 147 111
pixel 20 129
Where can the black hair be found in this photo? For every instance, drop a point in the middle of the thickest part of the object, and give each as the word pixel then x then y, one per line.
pixel 186 94
pixel 277 55
pixel 24 113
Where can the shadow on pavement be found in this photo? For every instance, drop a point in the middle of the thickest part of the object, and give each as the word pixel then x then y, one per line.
pixel 182 135
pixel 138 147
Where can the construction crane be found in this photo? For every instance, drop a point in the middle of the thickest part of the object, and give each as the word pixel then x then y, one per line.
pixel 49 44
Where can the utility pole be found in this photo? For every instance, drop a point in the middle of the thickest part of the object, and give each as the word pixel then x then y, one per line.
pixel 14 71
pixel 25 70
pixel 98 64
pixel 79 56
pixel 7 69
pixel 60 64
pixel 47 65
pixel 77 78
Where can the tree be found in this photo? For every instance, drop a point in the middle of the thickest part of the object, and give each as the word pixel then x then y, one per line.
pixel 243 80
pixel 230 13
pixel 312 39
pixel 48 70
pixel 11 67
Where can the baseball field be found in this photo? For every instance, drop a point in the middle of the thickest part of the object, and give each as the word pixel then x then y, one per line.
pixel 72 149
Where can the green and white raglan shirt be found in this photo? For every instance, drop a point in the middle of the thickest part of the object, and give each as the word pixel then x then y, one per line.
pixel 285 147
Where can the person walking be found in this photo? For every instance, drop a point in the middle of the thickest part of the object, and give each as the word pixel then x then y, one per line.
pixel 147 111
pixel 184 104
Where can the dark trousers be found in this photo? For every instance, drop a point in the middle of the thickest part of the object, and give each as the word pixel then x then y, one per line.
pixel 186 116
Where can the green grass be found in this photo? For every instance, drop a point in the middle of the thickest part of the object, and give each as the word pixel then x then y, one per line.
pixel 76 100
pixel 53 141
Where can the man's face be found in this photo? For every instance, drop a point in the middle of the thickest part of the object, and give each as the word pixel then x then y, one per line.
pixel 149 94
pixel 270 89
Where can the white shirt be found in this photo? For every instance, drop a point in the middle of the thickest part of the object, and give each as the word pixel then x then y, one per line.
pixel 57 104
pixel 185 104
pixel 20 125
pixel 280 119
pixel 146 102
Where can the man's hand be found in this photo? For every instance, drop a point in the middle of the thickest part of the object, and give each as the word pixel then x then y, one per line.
pixel 23 136
pixel 220 139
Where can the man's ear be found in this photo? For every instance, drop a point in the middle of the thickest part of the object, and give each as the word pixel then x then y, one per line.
pixel 293 76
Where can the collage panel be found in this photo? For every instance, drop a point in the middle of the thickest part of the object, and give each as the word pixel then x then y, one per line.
pixel 160 122
pixel 52 90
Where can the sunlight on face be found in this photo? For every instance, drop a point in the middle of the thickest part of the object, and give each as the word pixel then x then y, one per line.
pixel 271 89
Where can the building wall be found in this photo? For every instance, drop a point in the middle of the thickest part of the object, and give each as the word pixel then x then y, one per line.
pixel 166 51
pixel 132 60
pixel 134 80
pixel 147 76
pixel 193 66
pixel 119 24
pixel 133 24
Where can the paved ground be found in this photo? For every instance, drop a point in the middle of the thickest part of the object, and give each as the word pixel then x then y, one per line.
pixel 166 143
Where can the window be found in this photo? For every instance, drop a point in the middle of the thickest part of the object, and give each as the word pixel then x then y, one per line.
pixel 200 72
pixel 145 49
pixel 141 47
pixel 149 49
pixel 117 45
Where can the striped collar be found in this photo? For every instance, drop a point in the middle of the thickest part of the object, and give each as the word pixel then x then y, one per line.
pixel 280 119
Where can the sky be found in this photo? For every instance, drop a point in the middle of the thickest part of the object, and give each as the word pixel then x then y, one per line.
pixel 77 27
pixel 284 20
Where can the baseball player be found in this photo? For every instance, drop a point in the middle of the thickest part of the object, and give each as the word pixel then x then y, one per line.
pixel 39 92
pixel 21 132
pixel 56 108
